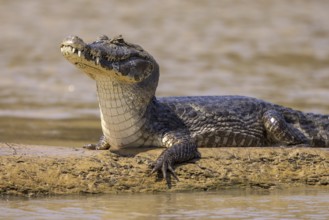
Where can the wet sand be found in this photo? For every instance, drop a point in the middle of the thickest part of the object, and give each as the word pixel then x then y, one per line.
pixel 29 170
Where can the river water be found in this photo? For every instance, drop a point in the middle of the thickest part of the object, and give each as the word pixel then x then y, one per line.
pixel 230 204
pixel 270 49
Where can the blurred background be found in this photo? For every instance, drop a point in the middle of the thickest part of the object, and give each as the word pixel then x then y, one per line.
pixel 275 50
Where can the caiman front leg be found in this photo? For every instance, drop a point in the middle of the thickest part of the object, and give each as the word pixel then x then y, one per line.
pixel 181 148
pixel 101 145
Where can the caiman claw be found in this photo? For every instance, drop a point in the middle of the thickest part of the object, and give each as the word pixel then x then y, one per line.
pixel 164 164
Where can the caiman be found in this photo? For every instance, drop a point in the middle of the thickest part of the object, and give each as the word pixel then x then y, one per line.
pixel 132 117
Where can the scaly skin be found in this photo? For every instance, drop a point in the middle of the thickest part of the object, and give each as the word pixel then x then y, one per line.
pixel 126 78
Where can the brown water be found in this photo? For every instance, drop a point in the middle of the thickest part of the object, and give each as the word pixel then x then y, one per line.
pixel 270 49
pixel 232 204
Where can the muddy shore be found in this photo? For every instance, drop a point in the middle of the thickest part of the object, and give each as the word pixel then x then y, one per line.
pixel 29 170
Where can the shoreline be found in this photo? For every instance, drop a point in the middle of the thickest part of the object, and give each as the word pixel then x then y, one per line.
pixel 34 170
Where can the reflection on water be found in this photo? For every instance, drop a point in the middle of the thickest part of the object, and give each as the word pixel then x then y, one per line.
pixel 238 204
pixel 274 50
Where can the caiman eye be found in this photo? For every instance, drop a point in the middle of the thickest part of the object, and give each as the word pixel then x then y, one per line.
pixel 118 40
pixel 103 37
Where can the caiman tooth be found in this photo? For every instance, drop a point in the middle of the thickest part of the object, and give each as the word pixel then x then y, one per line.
pixel 97 60
pixel 73 50
pixel 79 53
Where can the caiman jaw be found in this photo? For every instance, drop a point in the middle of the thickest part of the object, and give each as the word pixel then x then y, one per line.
pixel 113 57
pixel 75 50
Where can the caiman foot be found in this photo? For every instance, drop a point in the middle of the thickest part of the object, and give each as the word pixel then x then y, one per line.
pixel 101 145
pixel 164 165
pixel 174 155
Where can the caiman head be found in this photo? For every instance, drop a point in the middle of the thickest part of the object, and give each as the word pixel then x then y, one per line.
pixel 115 59
pixel 126 79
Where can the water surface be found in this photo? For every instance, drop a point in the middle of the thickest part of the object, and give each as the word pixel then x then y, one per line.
pixel 230 204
